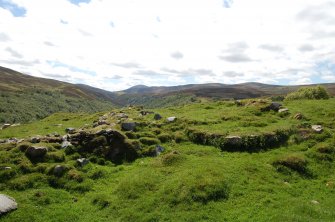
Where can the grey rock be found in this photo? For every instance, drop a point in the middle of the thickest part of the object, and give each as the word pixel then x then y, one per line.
pixel 70 130
pixel 159 150
pixel 102 122
pixel 283 110
pixel 128 126
pixel 233 140
pixel 157 116
pixel 59 170
pixel 317 128
pixel 35 139
pixel 273 106
pixel 7 204
pixel 315 202
pixel 82 161
pixel 36 152
pixel 65 144
pixel 122 116
pixel 171 119
pixel 3 141
pixel 6 125
pixel 5 168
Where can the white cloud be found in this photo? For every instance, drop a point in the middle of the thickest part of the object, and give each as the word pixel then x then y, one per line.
pixel 132 42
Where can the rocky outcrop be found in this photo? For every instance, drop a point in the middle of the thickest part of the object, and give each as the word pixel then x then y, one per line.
pixel 157 116
pixel 7 204
pixel 82 162
pixel 129 126
pixel 36 152
pixel 272 106
pixel 109 144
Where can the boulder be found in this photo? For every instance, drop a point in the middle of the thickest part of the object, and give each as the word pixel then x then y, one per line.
pixel 5 168
pixel 272 106
pixel 317 128
pixel 283 110
pixel 65 144
pixel 159 150
pixel 35 139
pixel 171 119
pixel 122 116
pixel 157 116
pixel 36 152
pixel 6 125
pixel 82 162
pixel 144 112
pixel 233 140
pixel 59 170
pixel 130 126
pixel 7 204
pixel 298 116
pixel 70 130
pixel 102 122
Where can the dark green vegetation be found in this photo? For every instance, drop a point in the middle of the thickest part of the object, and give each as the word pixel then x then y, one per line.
pixel 25 98
pixel 222 161
pixel 317 92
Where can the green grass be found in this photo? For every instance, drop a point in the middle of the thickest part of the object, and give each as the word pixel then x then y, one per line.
pixel 188 181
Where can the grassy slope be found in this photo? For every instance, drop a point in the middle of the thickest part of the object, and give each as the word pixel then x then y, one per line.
pixel 24 98
pixel 192 185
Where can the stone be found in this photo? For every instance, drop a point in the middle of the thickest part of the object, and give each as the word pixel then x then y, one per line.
pixel 36 152
pixel 82 161
pixel 233 140
pixel 171 119
pixel 7 204
pixel 12 140
pixel 272 106
pixel 283 110
pixel 130 126
pixel 35 139
pixel 159 150
pixel 315 202
pixel 6 125
pixel 317 128
pixel 122 116
pixel 298 116
pixel 5 168
pixel 65 144
pixel 3 141
pixel 59 170
pixel 70 130
pixel 144 113
pixel 102 122
pixel 157 116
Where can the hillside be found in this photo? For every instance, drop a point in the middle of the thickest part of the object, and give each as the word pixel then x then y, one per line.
pixel 216 161
pixel 25 98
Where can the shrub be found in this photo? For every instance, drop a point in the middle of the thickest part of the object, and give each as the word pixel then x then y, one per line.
pixel 317 92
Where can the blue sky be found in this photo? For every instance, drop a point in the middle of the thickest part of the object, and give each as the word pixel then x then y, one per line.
pixel 114 44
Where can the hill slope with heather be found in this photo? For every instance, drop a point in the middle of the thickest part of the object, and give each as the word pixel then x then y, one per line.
pixel 25 98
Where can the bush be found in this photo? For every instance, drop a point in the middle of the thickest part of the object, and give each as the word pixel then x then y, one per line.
pixel 317 92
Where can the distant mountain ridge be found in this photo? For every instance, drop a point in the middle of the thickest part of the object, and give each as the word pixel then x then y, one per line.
pixel 149 96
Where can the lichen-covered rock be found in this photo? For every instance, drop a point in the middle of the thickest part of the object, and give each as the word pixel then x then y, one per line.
pixel 130 126
pixel 70 130
pixel 171 119
pixel 36 152
pixel 59 170
pixel 317 128
pixel 7 204
pixel 157 116
pixel 82 162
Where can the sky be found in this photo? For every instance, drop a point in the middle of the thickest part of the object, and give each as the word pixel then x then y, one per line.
pixel 116 44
